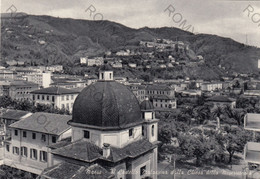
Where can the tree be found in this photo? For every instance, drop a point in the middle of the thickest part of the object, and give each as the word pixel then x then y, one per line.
pixel 6 101
pixel 235 141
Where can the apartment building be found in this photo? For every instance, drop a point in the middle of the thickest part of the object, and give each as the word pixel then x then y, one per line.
pixel 27 149
pixel 61 98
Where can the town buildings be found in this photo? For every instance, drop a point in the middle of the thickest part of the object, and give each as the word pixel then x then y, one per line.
pixel 43 79
pixel 61 98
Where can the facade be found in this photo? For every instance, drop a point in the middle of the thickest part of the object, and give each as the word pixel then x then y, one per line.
pixel 27 148
pixel 155 90
pixel 61 98
pixel 98 61
pixel 211 86
pixel 43 79
pixel 139 91
pixel 252 149
pixel 110 131
pixel 19 90
pixel 164 102
pixel 7 74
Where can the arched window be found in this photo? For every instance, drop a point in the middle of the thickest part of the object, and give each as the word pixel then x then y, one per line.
pixel 152 130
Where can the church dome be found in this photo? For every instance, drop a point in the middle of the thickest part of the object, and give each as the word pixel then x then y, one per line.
pixel 106 105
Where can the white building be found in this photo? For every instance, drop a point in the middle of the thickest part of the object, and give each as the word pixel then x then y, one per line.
pixel 61 98
pixel 43 79
pixel 83 60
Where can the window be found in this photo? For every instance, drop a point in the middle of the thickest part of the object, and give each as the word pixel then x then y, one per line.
pixel 102 76
pixel 53 99
pixel 72 97
pixel 142 170
pixel 67 97
pixel 7 147
pixel 152 130
pixel 24 151
pixel 130 132
pixel 142 130
pixel 42 97
pixel 33 135
pixel 33 97
pixel 38 96
pixel 86 134
pixel 24 134
pixel 63 106
pixel 53 139
pixel 16 150
pixel 16 132
pixel 67 106
pixel 110 75
pixel 48 97
pixel 43 156
pixel 62 98
pixel 43 137
pixel 33 154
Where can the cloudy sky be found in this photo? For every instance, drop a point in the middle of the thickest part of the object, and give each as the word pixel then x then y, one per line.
pixel 228 18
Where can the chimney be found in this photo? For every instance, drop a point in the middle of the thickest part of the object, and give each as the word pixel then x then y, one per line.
pixel 106 150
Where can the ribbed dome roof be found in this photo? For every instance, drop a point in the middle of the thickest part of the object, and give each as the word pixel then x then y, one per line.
pixel 146 105
pixel 106 105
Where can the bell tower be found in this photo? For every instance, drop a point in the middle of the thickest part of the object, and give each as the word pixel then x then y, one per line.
pixel 106 73
pixel 150 127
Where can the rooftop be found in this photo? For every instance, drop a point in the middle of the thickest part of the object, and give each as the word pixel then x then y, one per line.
pixel 89 152
pixel 158 87
pixel 44 122
pixel 252 121
pixel 218 98
pixel 55 91
pixel 252 152
pixel 67 170
pixel 14 114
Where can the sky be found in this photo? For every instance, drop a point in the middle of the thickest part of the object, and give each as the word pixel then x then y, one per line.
pixel 236 19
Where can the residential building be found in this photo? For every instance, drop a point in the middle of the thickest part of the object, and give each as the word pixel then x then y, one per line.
pixel 252 149
pixel 7 74
pixel 139 91
pixel 162 102
pixel 157 89
pixel 111 132
pixel 211 86
pixel 61 98
pixel 19 90
pixel 83 60
pixel 98 61
pixel 27 148
pixel 132 65
pixel 43 79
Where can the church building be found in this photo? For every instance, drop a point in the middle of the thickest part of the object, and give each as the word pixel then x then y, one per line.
pixel 113 136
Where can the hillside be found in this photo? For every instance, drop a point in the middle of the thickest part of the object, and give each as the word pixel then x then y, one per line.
pixel 50 40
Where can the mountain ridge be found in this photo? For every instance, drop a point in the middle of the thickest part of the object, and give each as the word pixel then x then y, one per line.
pixel 72 38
